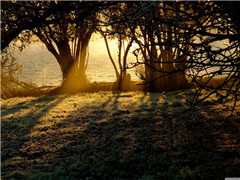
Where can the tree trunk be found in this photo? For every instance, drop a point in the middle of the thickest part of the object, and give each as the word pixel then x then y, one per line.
pixel 110 56
pixel 75 70
pixel 126 77
pixel 83 60
pixel 65 60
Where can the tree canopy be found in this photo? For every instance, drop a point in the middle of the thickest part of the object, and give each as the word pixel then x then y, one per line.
pixel 176 40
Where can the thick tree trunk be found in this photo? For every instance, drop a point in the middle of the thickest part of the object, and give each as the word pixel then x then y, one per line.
pixel 74 70
pixel 65 60
pixel 72 62
pixel 83 60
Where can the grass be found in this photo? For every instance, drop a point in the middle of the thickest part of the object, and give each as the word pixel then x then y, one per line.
pixel 106 135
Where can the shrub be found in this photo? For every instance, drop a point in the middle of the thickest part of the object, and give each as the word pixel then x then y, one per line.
pixel 10 71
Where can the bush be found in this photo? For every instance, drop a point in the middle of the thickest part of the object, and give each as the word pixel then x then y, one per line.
pixel 11 86
pixel 10 71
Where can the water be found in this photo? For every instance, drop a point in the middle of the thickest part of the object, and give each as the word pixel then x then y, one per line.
pixel 40 66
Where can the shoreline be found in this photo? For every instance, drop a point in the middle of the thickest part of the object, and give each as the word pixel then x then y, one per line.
pixel 92 87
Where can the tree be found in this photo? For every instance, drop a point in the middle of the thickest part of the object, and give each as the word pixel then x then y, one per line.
pixel 20 16
pixel 67 39
pixel 119 32
pixel 179 39
pixel 162 66
pixel 158 54
pixel 64 27
pixel 208 60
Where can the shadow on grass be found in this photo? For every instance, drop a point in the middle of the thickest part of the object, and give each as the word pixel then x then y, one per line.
pixel 131 136
pixel 16 128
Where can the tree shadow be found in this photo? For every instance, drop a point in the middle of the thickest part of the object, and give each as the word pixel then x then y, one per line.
pixel 16 126
pixel 125 135
pixel 132 136
pixel 23 105
pixel 201 139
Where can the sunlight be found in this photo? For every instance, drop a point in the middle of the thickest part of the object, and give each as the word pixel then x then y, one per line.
pixel 99 57
pixel 36 71
pixel 120 90
pixel 74 81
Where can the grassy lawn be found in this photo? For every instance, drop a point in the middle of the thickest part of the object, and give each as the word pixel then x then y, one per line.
pixel 108 135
